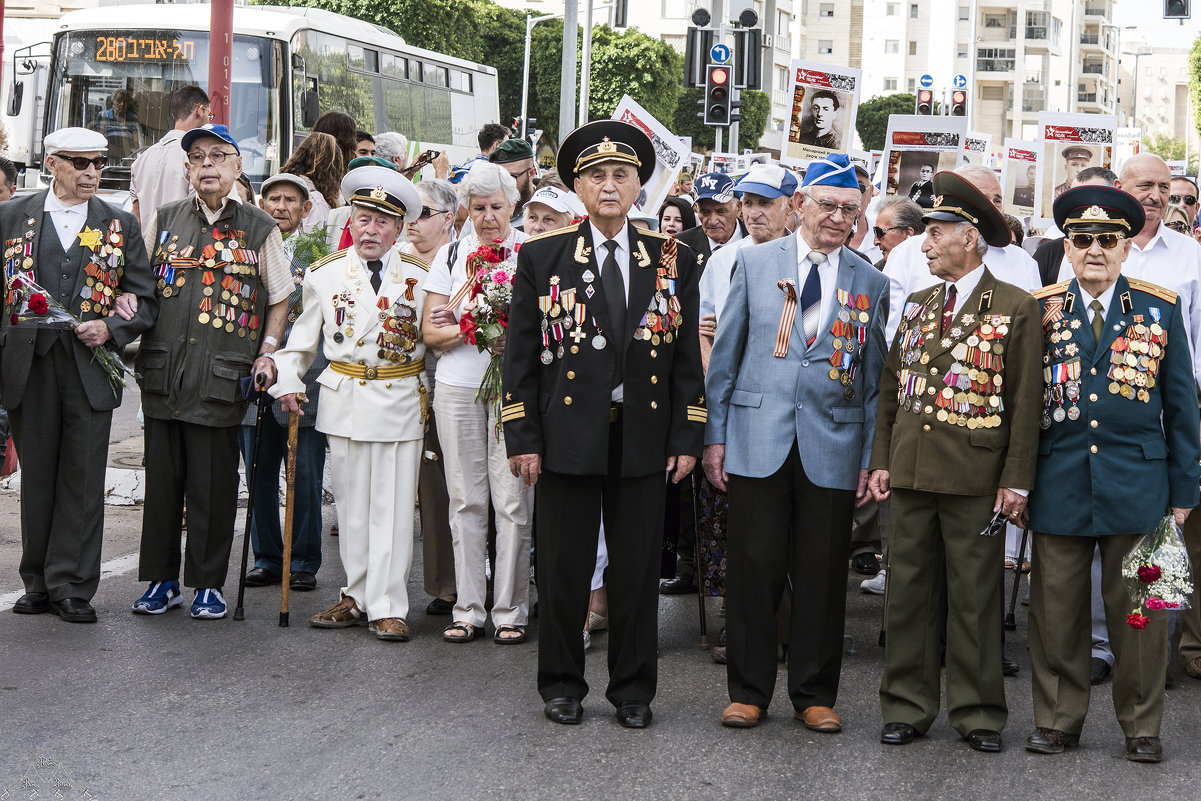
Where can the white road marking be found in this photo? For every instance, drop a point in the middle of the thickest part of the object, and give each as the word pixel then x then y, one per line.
pixel 113 567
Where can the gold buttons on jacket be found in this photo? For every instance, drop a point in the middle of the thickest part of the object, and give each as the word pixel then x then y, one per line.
pixel 567 400
pixel 388 385
pixel 1092 397
pixel 359 344
pixel 654 379
pixel 933 371
pixel 654 353
pixel 571 373
pixel 1093 448
pixel 926 427
pixel 362 383
pixel 1092 371
pixel 654 405
pixel 1092 423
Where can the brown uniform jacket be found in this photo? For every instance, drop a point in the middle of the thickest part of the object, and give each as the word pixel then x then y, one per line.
pixel 974 438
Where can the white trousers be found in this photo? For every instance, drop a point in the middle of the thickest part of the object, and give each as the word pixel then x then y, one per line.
pixel 477 470
pixel 375 488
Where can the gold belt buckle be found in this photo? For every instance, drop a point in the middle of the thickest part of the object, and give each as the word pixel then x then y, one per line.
pixel 371 372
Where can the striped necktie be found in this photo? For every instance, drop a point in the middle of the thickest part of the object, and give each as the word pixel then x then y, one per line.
pixel 811 298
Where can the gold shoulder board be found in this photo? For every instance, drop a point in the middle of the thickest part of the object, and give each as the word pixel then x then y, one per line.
pixel 327 259
pixel 411 259
pixel 1051 289
pixel 1153 289
pixel 571 229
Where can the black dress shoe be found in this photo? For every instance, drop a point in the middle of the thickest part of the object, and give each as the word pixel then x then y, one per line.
pixel 1098 670
pixel 985 740
pixel 74 610
pixel 564 710
pixel 1050 741
pixel 1008 667
pixel 897 734
pixel 303 581
pixel 1144 749
pixel 634 714
pixel 32 603
pixel 865 564
pixel 439 606
pixel 680 585
pixel 262 577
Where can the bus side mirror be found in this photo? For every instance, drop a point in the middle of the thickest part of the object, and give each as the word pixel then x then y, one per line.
pixel 15 97
pixel 308 108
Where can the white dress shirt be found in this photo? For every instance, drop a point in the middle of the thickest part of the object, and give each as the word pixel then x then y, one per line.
pixel 715 281
pixel 964 287
pixel 68 220
pixel 622 254
pixel 714 245
pixel 827 275
pixel 1105 298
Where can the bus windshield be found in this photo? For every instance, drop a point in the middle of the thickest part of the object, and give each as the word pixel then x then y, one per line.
pixel 119 82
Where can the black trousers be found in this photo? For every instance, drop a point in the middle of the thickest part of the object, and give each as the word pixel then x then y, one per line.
pixel 784 526
pixel 63 446
pixel 198 464
pixel 680 529
pixel 569 510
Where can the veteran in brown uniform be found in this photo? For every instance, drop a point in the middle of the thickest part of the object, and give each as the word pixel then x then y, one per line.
pixel 956 443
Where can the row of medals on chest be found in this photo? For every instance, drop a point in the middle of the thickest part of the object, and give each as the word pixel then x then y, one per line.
pixel 101 282
pixel 237 298
pixel 970 397
pixel 845 357
pixel 399 337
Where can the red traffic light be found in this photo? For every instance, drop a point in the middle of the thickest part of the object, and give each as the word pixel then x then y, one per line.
pixel 925 96
pixel 958 97
pixel 719 76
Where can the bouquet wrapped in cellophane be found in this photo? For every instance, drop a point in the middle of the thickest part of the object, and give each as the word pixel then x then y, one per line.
pixel 1158 573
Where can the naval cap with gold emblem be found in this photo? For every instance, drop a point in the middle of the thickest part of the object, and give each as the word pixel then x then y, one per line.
pixel 957 200
pixel 605 141
pixel 1098 209
pixel 382 189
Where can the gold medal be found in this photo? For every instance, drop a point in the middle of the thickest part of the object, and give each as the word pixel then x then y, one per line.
pixel 203 318
pixel 217 322
pixel 654 339
pixel 942 415
pixel 85 307
pixel 925 359
pixel 837 344
pixel 973 423
pixel 208 291
pixel 863 318
pixel 952 418
pixel 168 291
pixel 229 328
pixel 668 337
pixel 242 332
pixel 833 373
pixel 845 379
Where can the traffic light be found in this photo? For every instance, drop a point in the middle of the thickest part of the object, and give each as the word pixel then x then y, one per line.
pixel 717 95
pixel 925 103
pixel 1177 9
pixel 959 103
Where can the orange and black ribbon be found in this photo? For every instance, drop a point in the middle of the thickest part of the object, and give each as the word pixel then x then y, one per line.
pixel 787 317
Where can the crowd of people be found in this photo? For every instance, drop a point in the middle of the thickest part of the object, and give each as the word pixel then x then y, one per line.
pixel 772 377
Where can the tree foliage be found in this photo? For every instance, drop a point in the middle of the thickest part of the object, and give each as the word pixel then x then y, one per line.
pixel 1170 148
pixel 1194 82
pixel 872 120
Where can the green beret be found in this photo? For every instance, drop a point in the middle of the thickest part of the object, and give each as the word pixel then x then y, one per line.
pixel 511 150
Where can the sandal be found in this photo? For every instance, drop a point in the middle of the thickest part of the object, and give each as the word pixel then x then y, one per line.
pixel 469 632
pixel 597 622
pixel 507 629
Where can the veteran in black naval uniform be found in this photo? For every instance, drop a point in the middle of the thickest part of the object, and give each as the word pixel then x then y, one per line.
pixel 83 252
pixel 603 393
pixel 1119 449
pixel 956 443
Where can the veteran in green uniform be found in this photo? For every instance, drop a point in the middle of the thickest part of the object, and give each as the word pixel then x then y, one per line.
pixel 1119 449
pixel 956 443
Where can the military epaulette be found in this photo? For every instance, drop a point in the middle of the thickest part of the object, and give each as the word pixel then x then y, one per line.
pixel 411 259
pixel 571 229
pixel 512 411
pixel 327 259
pixel 655 234
pixel 1051 289
pixel 1166 295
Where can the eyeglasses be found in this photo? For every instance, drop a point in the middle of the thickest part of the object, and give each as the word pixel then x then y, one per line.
pixel 880 232
pixel 198 157
pixel 1188 200
pixel 1178 225
pixel 427 212
pixel 849 211
pixel 81 163
pixel 206 110
pixel 1085 241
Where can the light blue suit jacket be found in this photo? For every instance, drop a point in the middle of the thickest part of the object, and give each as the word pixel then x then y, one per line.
pixel 759 405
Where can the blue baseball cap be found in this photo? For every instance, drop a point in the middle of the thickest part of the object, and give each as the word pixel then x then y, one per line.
pixel 835 170
pixel 715 186
pixel 767 180
pixel 209 129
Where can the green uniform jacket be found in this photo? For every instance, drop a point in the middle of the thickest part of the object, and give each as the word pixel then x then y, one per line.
pixel 1131 447
pixel 975 436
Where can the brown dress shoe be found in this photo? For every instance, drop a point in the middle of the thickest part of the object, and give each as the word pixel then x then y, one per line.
pixel 392 629
pixel 1191 667
pixel 742 716
pixel 341 615
pixel 820 718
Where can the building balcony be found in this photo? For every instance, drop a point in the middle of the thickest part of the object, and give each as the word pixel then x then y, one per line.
pixel 1039 41
pixel 783 44
pixel 1090 102
pixel 1093 43
pixel 1092 69
pixel 1097 10
pixel 779 97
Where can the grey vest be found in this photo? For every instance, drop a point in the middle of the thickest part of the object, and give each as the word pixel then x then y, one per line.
pixel 57 272
pixel 212 313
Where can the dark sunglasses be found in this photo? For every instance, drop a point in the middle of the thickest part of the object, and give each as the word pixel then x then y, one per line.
pixel 1177 225
pixel 427 212
pixel 880 232
pixel 80 163
pixel 1085 241
pixel 1188 200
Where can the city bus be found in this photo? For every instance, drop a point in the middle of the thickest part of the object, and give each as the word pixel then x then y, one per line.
pixel 113 69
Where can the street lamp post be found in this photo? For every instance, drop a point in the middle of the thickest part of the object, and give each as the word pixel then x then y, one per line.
pixel 586 58
pixel 530 22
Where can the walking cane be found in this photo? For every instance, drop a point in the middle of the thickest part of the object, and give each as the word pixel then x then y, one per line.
pixel 1011 622
pixel 289 508
pixel 251 471
pixel 696 547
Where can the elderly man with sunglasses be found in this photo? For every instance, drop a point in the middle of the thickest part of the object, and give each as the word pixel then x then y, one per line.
pixel 223 282
pixel 1119 448
pixel 83 252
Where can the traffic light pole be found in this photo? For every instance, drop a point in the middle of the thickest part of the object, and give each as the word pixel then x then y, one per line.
pixel 734 93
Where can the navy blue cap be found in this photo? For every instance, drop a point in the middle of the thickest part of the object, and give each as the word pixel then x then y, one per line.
pixel 209 129
pixel 715 186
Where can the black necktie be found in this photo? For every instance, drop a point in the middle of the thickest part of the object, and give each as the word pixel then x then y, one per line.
pixel 376 268
pixel 615 298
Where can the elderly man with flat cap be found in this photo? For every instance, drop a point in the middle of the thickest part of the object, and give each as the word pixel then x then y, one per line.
pixel 604 401
pixel 1119 448
pixel 362 306
pixel 223 286
pixel 83 252
pixel 955 449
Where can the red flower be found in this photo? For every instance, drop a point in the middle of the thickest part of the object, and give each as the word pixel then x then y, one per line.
pixel 1149 573
pixel 14 320
pixel 468 327
pixel 1137 621
pixel 38 304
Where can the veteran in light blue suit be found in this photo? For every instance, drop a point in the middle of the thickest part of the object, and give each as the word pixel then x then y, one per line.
pixel 792 386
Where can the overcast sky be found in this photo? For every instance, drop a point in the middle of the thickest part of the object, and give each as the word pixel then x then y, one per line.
pixel 1152 26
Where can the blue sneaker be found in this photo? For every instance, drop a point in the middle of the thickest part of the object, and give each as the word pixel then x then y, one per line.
pixel 161 596
pixel 209 605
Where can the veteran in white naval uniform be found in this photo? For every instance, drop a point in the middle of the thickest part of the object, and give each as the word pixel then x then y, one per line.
pixel 364 304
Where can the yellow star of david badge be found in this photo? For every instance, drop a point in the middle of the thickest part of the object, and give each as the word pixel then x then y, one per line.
pixel 89 238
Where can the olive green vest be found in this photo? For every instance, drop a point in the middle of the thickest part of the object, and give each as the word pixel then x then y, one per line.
pixel 211 316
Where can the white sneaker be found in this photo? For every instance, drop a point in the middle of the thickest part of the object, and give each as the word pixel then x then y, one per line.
pixel 874 585
pixel 587 640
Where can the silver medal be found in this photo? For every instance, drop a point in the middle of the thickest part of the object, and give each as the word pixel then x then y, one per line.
pixel 546 357
pixel 1059 414
pixel 588 276
pixel 844 315
pixel 1073 412
pixel 599 341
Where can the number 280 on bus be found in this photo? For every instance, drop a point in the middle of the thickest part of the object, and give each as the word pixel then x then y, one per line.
pixel 134 48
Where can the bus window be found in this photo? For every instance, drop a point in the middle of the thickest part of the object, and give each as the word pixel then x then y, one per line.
pixel 340 88
pixel 434 75
pixel 394 66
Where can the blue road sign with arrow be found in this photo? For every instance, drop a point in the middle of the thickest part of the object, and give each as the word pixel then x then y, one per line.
pixel 959 82
pixel 926 81
pixel 719 53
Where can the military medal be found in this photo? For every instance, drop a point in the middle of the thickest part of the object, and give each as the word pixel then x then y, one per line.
pixel 599 341
pixel 338 337
pixel 546 357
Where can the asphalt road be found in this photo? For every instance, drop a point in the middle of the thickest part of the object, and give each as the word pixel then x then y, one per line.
pixel 169 707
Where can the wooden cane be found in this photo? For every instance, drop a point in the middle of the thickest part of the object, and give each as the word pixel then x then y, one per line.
pixel 289 508
pixel 1011 622
pixel 696 546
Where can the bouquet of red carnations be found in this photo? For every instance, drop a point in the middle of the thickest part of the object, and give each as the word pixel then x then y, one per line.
pixel 485 319
pixel 35 308
pixel 1158 573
